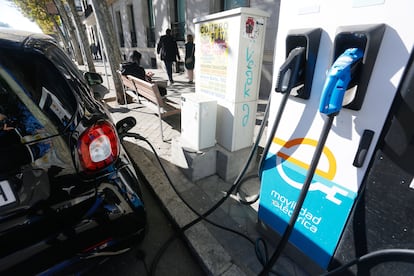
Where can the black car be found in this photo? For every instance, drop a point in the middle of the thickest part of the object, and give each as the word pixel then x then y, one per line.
pixel 69 193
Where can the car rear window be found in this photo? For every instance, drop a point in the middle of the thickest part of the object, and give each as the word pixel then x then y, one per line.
pixel 27 134
pixel 43 84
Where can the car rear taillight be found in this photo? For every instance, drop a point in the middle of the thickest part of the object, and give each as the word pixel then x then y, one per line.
pixel 98 146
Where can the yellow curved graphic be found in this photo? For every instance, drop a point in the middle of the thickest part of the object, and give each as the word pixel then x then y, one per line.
pixel 330 174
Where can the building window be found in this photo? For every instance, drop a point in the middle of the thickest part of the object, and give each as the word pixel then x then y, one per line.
pixel 178 28
pixel 151 24
pixel 151 37
pixel 178 31
pixel 232 4
pixel 132 29
pixel 120 30
pixel 78 6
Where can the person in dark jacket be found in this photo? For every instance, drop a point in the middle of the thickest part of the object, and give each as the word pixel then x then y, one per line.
pixel 189 57
pixel 134 68
pixel 168 50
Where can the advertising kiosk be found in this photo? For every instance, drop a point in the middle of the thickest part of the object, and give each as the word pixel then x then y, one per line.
pixel 229 61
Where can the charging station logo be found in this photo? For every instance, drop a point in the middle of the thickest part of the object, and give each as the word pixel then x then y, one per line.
pixel 327 204
pixel 322 180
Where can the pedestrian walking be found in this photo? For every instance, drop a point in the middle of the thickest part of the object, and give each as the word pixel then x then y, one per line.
pixel 168 50
pixel 98 48
pixel 94 50
pixel 189 57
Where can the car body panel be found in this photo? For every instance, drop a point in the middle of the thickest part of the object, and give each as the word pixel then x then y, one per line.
pixel 60 212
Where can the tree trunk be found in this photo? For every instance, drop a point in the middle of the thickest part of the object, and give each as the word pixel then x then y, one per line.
pixel 61 35
pixel 83 37
pixel 70 30
pixel 110 44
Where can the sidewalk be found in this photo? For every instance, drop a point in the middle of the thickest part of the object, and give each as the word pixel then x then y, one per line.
pixel 221 252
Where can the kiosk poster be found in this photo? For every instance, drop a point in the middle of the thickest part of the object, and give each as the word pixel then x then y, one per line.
pixel 214 57
pixel 254 27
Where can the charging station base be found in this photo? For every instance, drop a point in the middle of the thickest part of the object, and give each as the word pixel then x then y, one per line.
pixel 381 220
pixel 292 261
pixel 198 164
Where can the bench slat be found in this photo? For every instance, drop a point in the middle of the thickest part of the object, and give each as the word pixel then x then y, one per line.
pixel 151 92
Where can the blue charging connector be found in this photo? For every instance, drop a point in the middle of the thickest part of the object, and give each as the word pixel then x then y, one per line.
pixel 338 80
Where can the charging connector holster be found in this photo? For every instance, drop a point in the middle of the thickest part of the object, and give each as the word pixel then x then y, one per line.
pixel 309 39
pixel 367 38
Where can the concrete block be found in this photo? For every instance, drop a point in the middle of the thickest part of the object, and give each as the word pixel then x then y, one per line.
pixel 195 164
pixel 230 163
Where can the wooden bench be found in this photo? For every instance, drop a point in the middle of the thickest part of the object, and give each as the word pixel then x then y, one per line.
pixel 150 92
pixel 128 85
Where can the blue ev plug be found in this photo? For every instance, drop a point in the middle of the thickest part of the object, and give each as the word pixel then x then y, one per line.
pixel 338 79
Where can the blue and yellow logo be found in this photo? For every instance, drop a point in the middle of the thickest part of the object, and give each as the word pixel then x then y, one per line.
pixel 323 179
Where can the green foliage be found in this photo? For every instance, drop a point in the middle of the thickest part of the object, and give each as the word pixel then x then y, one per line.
pixel 36 11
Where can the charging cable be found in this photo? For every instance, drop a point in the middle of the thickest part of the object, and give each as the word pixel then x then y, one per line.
pixel 288 77
pixel 289 74
pixel 199 218
pixel 377 257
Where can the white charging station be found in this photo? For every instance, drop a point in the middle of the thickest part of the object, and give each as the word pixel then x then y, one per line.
pixel 337 180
